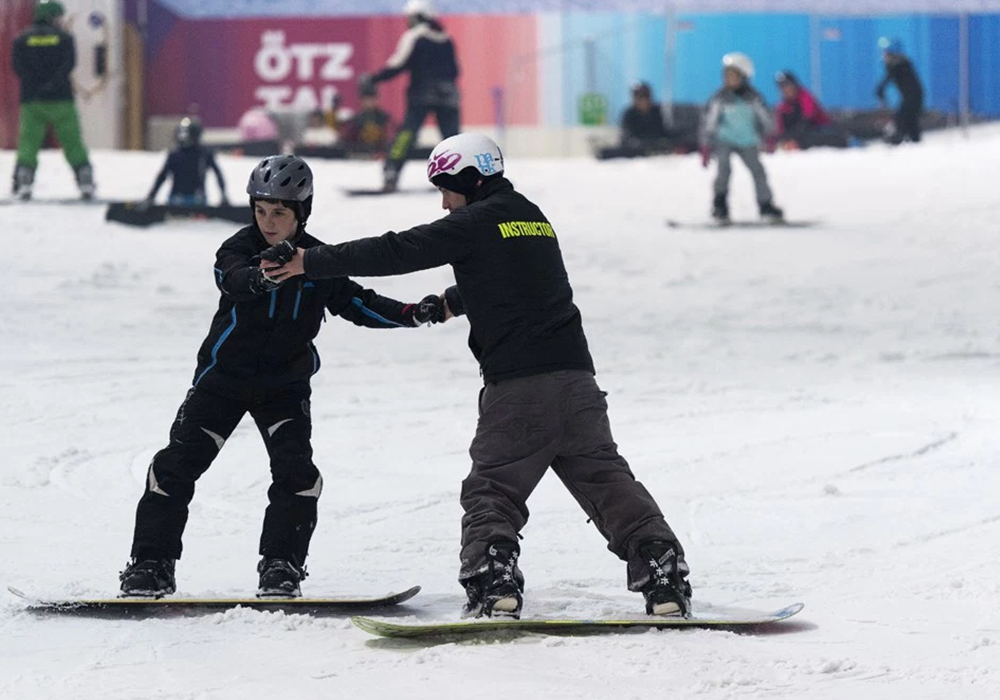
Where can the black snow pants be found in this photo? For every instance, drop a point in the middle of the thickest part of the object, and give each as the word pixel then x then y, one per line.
pixel 557 419
pixel 204 422
pixel 907 121
pixel 447 116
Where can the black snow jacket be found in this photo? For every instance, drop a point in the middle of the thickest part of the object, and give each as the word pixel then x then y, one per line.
pixel 264 339
pixel 428 53
pixel 509 274
pixel 43 57
pixel 900 72
pixel 187 167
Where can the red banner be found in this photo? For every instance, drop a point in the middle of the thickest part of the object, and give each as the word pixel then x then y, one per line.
pixel 15 16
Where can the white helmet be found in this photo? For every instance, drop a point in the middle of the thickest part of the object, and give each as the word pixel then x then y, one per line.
pixel 739 62
pixel 453 155
pixel 424 8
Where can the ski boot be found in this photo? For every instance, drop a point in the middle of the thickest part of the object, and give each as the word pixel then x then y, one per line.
pixel 495 590
pixel 148 578
pixel 659 573
pixel 279 578
pixel 85 181
pixel 720 210
pixel 771 213
pixel 24 179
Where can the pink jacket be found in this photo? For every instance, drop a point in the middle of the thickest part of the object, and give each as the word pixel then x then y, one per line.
pixel 802 112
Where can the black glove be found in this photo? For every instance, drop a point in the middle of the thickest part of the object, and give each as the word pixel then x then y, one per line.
pixel 280 253
pixel 260 283
pixel 429 310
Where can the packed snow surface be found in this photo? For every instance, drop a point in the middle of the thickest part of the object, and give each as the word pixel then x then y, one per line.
pixel 816 411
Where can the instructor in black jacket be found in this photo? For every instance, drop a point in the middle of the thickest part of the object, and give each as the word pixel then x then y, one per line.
pixel 541 406
pixel 428 54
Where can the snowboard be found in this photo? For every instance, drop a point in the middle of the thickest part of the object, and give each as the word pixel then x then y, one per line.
pixel 131 214
pixel 733 620
pixel 754 224
pixel 41 201
pixel 125 607
pixel 381 192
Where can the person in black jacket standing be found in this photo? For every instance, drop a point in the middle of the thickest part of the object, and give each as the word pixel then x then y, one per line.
pixel 43 57
pixel 427 52
pixel 187 165
pixel 541 405
pixel 258 358
pixel 900 72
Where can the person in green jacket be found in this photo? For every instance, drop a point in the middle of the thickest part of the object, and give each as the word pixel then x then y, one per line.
pixel 43 57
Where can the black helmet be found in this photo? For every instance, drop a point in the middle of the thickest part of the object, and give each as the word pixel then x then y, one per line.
pixel 281 177
pixel 642 89
pixel 188 132
pixel 786 76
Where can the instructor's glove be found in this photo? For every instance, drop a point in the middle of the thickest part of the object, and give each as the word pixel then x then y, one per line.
pixel 281 253
pixel 429 310
pixel 706 156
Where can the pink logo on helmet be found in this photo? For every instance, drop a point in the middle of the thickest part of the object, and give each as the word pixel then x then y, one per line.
pixel 442 163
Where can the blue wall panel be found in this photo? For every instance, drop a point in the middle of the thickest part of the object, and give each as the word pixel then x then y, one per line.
pixel 984 58
pixel 774 42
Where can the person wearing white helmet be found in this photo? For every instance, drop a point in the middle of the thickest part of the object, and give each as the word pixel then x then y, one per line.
pixel 541 406
pixel 735 121
pixel 427 53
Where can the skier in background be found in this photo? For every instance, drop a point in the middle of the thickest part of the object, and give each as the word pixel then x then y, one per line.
pixel 258 358
pixel 368 130
pixel 43 56
pixel 736 120
pixel 187 165
pixel 800 120
pixel 900 72
pixel 642 123
pixel 426 51
pixel 541 406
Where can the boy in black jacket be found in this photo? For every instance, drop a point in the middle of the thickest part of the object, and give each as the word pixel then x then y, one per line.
pixel 258 359
pixel 900 72
pixel 541 406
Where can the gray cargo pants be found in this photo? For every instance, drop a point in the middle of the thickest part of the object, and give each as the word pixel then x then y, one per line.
pixel 751 157
pixel 558 419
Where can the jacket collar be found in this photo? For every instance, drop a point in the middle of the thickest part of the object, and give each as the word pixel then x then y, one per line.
pixel 491 187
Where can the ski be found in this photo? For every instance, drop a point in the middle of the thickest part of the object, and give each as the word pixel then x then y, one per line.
pixel 757 224
pixel 720 618
pixel 125 607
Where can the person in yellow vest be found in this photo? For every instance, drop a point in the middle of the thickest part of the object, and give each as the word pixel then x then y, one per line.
pixel 43 57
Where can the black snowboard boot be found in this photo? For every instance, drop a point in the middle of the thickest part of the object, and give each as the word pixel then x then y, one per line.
pixel 279 578
pixel 148 578
pixel 85 180
pixel 659 573
pixel 770 212
pixel 24 179
pixel 495 591
pixel 720 209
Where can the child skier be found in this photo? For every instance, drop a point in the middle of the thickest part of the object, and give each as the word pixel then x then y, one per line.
pixel 258 359
pixel 736 120
pixel 188 165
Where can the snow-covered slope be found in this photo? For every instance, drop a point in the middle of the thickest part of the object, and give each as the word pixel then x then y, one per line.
pixel 816 410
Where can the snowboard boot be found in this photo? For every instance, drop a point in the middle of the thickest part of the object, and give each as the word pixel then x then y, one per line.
pixel 279 578
pixel 24 179
pixel 720 210
pixel 85 180
pixel 659 573
pixel 390 180
pixel 495 590
pixel 148 578
pixel 771 213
